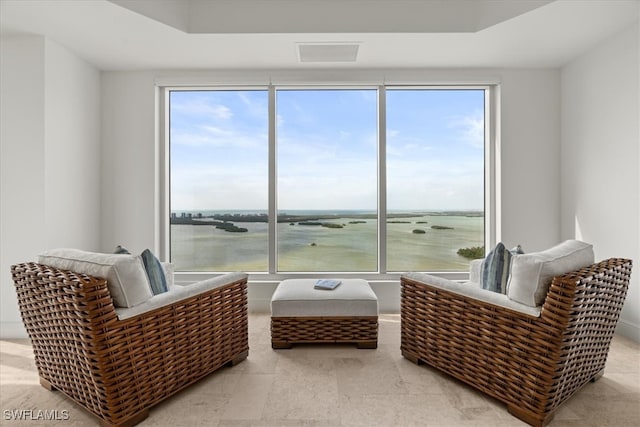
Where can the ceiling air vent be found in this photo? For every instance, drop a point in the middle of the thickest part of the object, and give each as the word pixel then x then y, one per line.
pixel 328 52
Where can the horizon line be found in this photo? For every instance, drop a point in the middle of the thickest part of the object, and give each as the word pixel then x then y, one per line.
pixel 332 210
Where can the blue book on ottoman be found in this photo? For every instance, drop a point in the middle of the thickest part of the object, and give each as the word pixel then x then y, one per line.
pixel 327 284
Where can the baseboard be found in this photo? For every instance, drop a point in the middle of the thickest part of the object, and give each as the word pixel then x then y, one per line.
pixel 388 293
pixel 260 296
pixel 12 330
pixel 628 330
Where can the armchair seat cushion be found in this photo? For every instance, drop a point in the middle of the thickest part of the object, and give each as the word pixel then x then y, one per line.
pixel 125 273
pixel 472 290
pixel 179 292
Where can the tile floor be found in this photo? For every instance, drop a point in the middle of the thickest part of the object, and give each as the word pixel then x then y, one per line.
pixel 333 386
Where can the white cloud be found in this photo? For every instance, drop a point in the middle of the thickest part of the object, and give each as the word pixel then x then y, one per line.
pixel 470 128
pixel 434 184
pixel 254 106
pixel 392 133
pixel 214 136
pixel 353 190
pixel 198 106
pixel 210 187
pixel 221 112
pixel 217 132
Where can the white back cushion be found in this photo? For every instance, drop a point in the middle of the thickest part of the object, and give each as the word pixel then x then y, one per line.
pixel 169 271
pixel 475 271
pixel 531 274
pixel 125 274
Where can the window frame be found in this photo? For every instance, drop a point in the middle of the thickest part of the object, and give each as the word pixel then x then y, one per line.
pixel 491 175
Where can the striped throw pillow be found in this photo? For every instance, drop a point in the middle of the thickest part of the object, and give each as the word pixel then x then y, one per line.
pixel 495 269
pixel 155 273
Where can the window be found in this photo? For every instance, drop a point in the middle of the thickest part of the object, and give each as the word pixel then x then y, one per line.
pixel 327 180
pixel 363 180
pixel 435 177
pixel 219 174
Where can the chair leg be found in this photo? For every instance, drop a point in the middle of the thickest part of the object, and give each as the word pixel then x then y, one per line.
pixel 239 358
pixel 597 376
pixel 411 357
pixel 46 384
pixel 367 344
pixel 529 417
pixel 280 345
pixel 129 422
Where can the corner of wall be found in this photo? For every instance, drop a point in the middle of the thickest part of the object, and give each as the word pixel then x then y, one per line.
pixel 600 157
pixel 49 157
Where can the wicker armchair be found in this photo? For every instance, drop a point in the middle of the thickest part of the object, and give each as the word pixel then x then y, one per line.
pixel 531 363
pixel 117 369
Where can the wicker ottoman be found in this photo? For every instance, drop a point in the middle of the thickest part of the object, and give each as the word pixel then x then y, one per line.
pixel 302 314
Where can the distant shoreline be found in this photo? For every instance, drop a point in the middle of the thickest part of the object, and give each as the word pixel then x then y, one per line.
pixel 188 218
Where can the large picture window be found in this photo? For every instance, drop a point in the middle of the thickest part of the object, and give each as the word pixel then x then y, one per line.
pixel 327 180
pixel 370 180
pixel 218 181
pixel 435 173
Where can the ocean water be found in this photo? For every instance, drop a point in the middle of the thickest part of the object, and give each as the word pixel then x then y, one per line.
pixel 352 248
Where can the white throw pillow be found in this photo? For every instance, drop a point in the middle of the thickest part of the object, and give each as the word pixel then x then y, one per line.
pixel 125 274
pixel 169 271
pixel 475 271
pixel 532 273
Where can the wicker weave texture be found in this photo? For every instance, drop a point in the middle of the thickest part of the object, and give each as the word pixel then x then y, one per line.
pixel 117 369
pixel 361 330
pixel 531 364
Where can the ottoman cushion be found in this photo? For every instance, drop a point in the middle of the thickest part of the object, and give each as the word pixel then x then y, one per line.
pixel 298 298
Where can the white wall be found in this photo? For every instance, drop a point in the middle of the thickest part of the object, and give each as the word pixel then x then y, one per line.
pixel 50 158
pixel 530 159
pixel 600 167
pixel 72 156
pixel 22 228
pixel 128 161
pixel 530 102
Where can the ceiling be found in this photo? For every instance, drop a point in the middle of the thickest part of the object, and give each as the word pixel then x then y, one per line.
pixel 250 34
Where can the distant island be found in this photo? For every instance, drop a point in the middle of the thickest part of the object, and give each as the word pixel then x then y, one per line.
pixel 322 224
pixel 231 228
pixel 475 252
pixel 441 227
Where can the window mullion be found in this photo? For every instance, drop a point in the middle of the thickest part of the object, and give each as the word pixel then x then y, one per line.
pixel 382 180
pixel 493 178
pixel 273 179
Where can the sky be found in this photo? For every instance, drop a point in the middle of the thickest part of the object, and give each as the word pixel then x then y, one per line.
pixel 326 149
